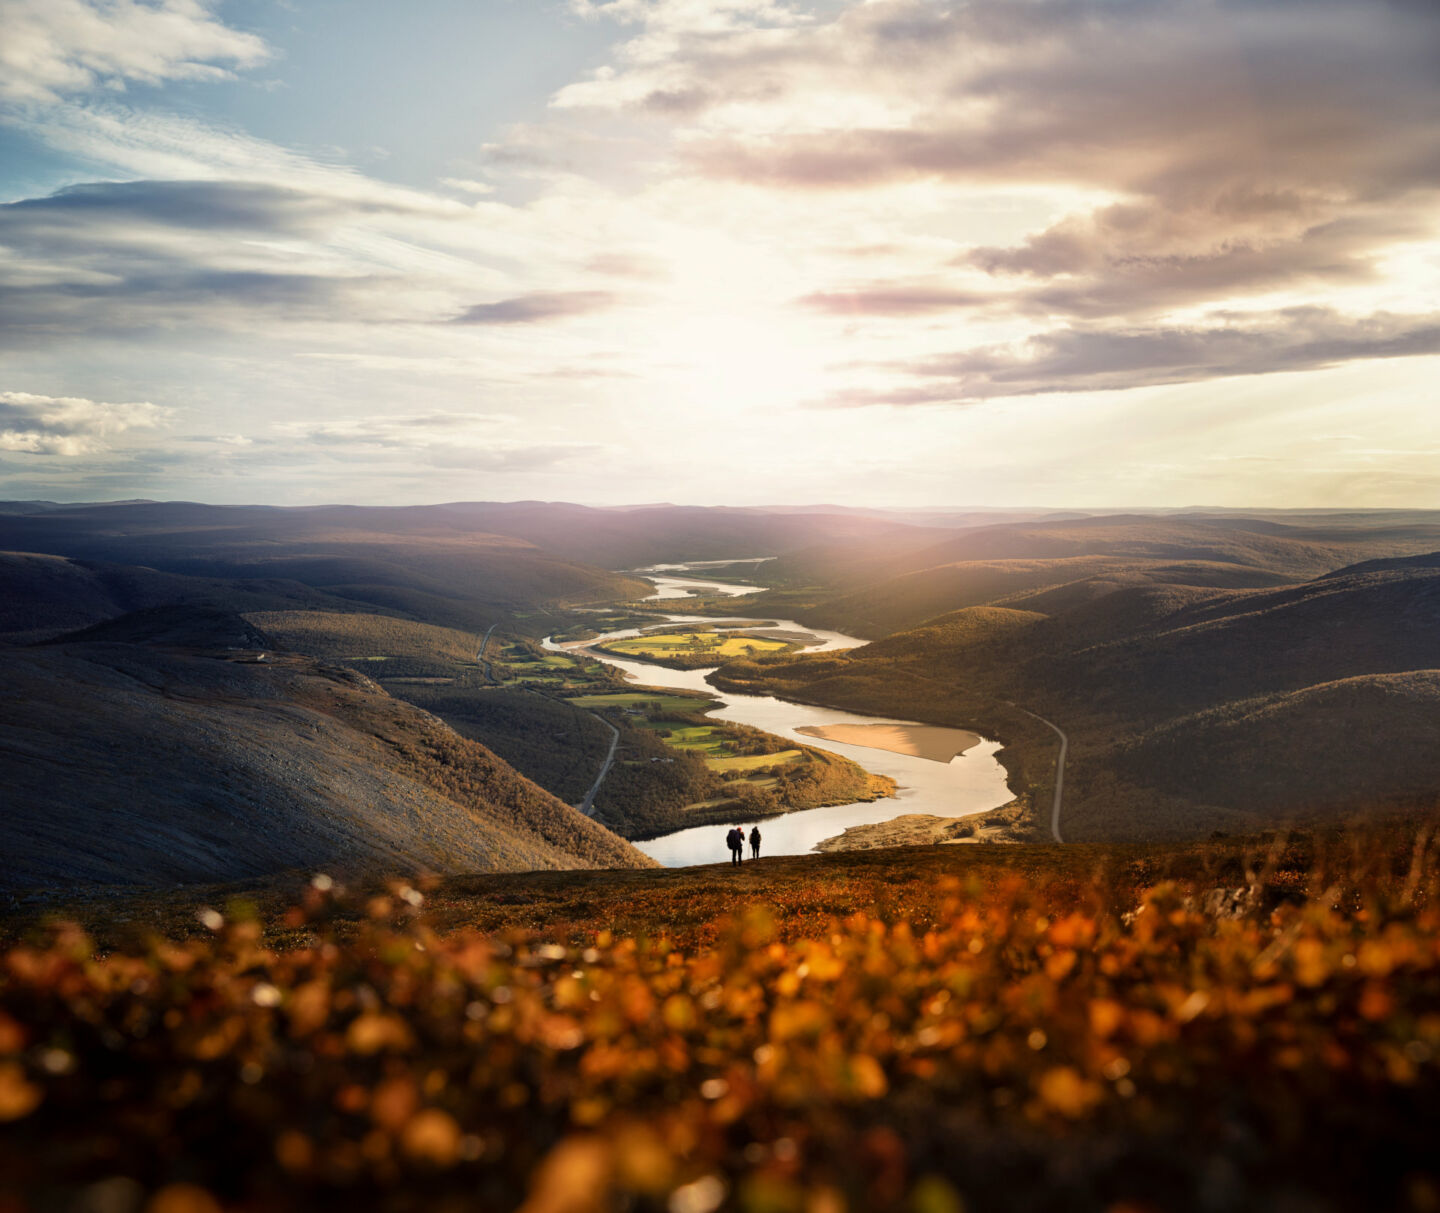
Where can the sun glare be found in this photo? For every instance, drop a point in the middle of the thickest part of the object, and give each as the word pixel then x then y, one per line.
pixel 738 362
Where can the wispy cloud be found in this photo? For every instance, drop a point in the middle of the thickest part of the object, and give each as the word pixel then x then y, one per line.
pixel 1082 360
pixel 901 299
pixel 106 257
pixel 393 429
pixel 52 48
pixel 536 308
pixel 1234 157
pixel 446 440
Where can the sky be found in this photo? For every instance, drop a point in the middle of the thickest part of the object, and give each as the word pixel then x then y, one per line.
pixel 1070 253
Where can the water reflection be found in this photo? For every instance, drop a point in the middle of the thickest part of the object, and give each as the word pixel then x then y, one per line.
pixel 691 587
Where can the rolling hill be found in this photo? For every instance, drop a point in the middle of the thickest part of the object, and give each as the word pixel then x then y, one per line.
pixel 1320 750
pixel 1188 709
pixel 633 537
pixel 42 596
pixel 423 562
pixel 1142 634
pixel 130 758
pixel 874 589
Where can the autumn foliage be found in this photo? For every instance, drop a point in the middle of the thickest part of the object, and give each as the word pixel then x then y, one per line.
pixel 1004 1037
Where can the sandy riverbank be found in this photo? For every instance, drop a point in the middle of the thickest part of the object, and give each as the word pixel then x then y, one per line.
pixel 920 740
pixel 1009 823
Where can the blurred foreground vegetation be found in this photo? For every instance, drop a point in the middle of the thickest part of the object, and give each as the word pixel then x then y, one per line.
pixel 1238 1024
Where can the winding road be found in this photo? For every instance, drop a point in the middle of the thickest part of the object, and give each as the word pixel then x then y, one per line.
pixel 587 806
pixel 1059 758
pixel 1059 769
pixel 480 655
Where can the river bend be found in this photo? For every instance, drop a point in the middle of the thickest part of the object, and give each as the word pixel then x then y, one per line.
pixel 969 783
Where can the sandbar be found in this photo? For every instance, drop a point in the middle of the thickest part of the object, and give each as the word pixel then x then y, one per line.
pixel 919 740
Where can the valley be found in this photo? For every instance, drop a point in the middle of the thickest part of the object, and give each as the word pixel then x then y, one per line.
pixel 562 716
pixel 1181 673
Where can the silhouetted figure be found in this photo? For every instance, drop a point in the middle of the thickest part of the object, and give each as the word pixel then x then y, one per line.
pixel 736 841
pixel 754 842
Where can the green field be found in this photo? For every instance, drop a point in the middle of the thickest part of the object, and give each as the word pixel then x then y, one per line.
pixel 714 742
pixel 523 663
pixel 645 702
pixel 702 739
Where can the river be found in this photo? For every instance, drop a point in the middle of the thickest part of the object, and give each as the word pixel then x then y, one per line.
pixel 969 783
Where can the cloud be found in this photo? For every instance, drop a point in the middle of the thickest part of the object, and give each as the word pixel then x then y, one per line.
pixel 1145 95
pixel 156 300
pixel 254 206
pixel 685 17
pixel 626 265
pixel 52 48
pixel 536 308
pixel 923 205
pixel 1129 259
pixel 466 185
pixel 391 430
pixel 905 397
pixel 666 69
pixel 108 257
pixel 451 440
pixel 1082 360
pixel 1226 149
pixel 878 299
pixel 101 258
pixel 511 456
pixel 68 425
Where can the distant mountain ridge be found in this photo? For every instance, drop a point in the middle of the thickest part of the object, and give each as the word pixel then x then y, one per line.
pixel 876 589
pixel 427 562
pixel 43 596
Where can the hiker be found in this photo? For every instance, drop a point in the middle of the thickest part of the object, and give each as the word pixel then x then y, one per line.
pixel 735 840
pixel 754 842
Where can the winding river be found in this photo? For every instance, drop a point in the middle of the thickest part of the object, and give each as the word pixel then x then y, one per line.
pixel 969 783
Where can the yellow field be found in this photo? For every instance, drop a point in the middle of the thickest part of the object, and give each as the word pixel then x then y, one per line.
pixel 749 762
pixel 710 644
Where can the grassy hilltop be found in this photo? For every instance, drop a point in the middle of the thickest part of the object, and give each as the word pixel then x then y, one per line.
pixel 1226 1026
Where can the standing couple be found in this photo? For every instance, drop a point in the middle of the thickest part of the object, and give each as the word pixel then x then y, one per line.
pixel 736 842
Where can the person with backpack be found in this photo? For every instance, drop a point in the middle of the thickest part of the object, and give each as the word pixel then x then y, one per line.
pixel 736 842
pixel 754 842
